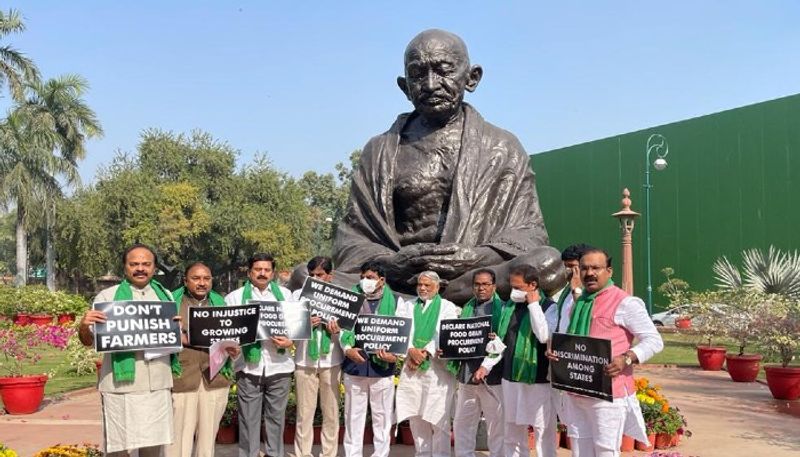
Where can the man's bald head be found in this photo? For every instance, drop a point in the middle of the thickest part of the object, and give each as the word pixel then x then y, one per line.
pixel 437 40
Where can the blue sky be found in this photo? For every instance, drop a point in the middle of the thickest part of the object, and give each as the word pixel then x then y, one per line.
pixel 308 82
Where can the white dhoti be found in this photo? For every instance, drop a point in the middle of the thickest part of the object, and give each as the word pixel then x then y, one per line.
pixel 425 398
pixel 596 426
pixel 529 404
pixel 136 420
pixel 378 394
pixel 471 401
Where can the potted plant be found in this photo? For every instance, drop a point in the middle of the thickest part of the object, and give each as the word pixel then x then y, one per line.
pixel 6 451
pixel 228 432
pixel 676 290
pixel 67 306
pixel 780 335
pixel 22 393
pixel 70 450
pixel 669 427
pixel 744 309
pixel 709 322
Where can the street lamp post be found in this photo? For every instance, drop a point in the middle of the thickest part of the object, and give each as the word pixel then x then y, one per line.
pixel 657 143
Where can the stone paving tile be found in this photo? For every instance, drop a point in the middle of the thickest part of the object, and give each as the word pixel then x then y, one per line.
pixel 727 419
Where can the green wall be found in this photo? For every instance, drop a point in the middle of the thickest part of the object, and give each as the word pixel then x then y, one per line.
pixel 731 185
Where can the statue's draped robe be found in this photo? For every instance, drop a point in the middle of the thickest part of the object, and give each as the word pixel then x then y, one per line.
pixel 493 200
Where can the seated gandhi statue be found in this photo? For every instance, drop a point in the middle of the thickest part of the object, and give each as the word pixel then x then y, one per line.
pixel 442 189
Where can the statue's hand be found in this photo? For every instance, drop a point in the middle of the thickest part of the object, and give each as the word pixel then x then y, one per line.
pixel 411 258
pixel 463 259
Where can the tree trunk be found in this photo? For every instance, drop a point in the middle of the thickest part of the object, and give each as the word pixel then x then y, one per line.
pixel 22 249
pixel 50 251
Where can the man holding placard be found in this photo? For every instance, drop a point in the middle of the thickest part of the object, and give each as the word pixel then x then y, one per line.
pixel 605 311
pixel 479 390
pixel 425 391
pixel 368 378
pixel 198 401
pixel 134 389
pixel 317 375
pixel 526 390
pixel 263 384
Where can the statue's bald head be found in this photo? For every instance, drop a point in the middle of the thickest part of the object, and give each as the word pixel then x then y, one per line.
pixel 437 73
pixel 432 40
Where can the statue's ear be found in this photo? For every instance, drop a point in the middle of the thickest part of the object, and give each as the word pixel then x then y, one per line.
pixel 403 85
pixel 475 75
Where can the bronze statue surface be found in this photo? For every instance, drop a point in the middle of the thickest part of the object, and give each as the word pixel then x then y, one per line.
pixel 442 189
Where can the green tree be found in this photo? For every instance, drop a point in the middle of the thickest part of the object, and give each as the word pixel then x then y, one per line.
pixel 16 69
pixel 29 171
pixel 57 105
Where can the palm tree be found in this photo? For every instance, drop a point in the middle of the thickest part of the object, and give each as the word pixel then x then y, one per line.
pixel 773 272
pixel 28 173
pixel 16 69
pixel 58 107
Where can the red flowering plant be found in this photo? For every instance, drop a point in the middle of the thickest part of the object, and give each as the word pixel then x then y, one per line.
pixel 22 346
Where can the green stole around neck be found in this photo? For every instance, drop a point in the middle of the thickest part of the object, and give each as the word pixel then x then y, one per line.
pixel 386 307
pixel 580 320
pixel 214 299
pixel 524 360
pixel 252 352
pixel 123 364
pixel 425 325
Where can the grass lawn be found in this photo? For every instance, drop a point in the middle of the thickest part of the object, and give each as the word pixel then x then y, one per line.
pixel 64 380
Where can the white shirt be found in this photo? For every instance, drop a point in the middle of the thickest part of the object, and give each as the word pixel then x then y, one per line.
pixel 301 358
pixel 272 362
pixel 631 314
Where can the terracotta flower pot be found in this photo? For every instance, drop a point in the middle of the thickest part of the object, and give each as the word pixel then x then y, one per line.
pixel 288 433
pixel 41 319
pixel 783 382
pixel 227 434
pixel 531 438
pixel 675 439
pixel 406 436
pixel 66 318
pixel 627 443
pixel 683 322
pixel 663 441
pixel 743 368
pixel 22 394
pixel 649 446
pixel 565 441
pixel 711 358
pixel 22 319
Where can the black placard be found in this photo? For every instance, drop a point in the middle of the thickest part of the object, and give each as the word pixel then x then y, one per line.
pixel 580 364
pixel 390 333
pixel 291 319
pixel 209 324
pixel 464 338
pixel 137 326
pixel 330 302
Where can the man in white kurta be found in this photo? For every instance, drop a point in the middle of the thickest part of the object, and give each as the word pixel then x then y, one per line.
pixel 527 396
pixel 136 414
pixel 264 375
pixel 425 391
pixel 596 426
pixel 479 390
pixel 317 375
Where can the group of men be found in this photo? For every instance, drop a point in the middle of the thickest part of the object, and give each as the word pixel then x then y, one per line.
pixel 152 401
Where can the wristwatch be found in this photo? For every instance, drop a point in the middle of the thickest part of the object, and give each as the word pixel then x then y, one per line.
pixel 577 291
pixel 628 359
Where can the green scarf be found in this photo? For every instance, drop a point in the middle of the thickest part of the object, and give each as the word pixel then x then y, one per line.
pixel 468 311
pixel 524 359
pixel 252 352
pixel 386 307
pixel 123 364
pixel 214 299
pixel 581 318
pixel 425 325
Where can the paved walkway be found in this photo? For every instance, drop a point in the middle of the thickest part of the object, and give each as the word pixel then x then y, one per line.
pixel 727 419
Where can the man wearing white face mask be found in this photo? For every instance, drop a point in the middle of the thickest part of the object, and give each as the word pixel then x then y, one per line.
pixel 526 389
pixel 368 379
